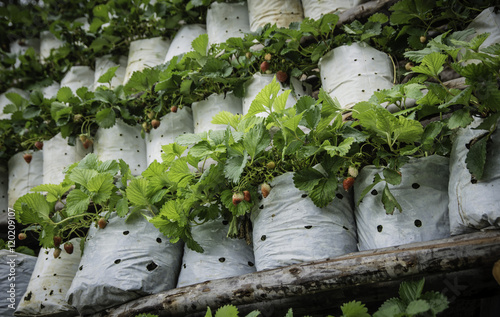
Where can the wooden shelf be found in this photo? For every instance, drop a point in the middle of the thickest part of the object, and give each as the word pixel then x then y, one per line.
pixel 460 267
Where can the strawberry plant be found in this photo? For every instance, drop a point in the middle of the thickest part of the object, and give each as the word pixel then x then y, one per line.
pixel 69 208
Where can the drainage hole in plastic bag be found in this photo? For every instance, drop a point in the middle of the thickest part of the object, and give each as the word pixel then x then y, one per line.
pixel 263 238
pixel 379 228
pixel 261 207
pixel 374 192
pixel 415 185
pixel 225 222
pixel 117 261
pixel 308 227
pixel 304 195
pixel 345 228
pixel 222 260
pixel 158 240
pixel 81 267
pixel 184 265
pixel 418 223
pixel 151 266
pixel 250 263
pixel 339 196
pixel 126 232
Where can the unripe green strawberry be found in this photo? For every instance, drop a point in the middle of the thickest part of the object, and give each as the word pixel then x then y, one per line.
pixel 270 165
pixel 77 117
pixel 151 115
pixel 237 198
pixel 353 171
pixel 268 57
pixel 248 55
pixel 423 39
pixel 409 66
pixel 68 247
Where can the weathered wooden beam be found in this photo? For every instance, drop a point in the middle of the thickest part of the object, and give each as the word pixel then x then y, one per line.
pixel 367 276
pixel 363 10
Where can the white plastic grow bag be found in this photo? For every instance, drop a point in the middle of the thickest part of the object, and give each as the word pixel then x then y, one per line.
pixel 123 261
pixel 289 229
pixel 352 73
pixel 102 64
pixel 226 20
pixel 487 22
pixel 122 141
pixel 279 12
pixel 51 279
pixel 23 176
pixel 57 156
pixel 48 42
pixel 4 101
pixel 145 53
pixel 4 189
pixel 21 46
pixel 474 205
pixel 203 111
pixel 171 126
pixel 222 257
pixel 315 9
pixel 50 91
pixel 16 268
pixel 259 81
pixel 423 196
pixel 182 41
pixel 77 77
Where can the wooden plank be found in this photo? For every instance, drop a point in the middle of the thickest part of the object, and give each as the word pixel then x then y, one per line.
pixel 363 10
pixel 368 276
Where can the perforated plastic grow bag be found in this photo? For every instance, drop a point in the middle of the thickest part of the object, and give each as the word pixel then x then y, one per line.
pixel 4 189
pixel 315 9
pixel 423 196
pixel 122 141
pixel 203 111
pixel 288 228
pixel 226 20
pixel 222 257
pixel 279 12
pixel 352 73
pixel 145 53
pixel 57 156
pixel 23 176
pixel 181 43
pixel 474 204
pixel 77 77
pixel 103 64
pixel 171 126
pixel 123 261
pixel 51 279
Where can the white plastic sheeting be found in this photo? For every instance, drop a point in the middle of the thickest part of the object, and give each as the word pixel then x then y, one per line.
pixel 488 21
pixel 289 229
pixel 171 126
pixel 51 279
pixel 123 261
pixel 222 257
pixel 57 156
pixel 423 196
pixel 122 141
pixel 226 20
pixel 77 77
pixel 279 12
pixel 48 42
pixel 181 43
pixel 474 204
pixel 315 9
pixel 16 268
pixel 352 73
pixel 23 176
pixel 259 81
pixel 103 63
pixel 146 53
pixel 50 91
pixel 203 111
pixel 4 189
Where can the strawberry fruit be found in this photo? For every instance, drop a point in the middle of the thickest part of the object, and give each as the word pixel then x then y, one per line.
pixel 247 196
pixel 264 67
pixel 173 109
pixel 68 247
pixel 22 236
pixel 268 57
pixel 265 189
pixel 57 241
pixel 102 223
pixel 281 76
pixel 155 123
pixel 87 143
pixel 28 157
pixel 237 198
pixel 39 145
pixel 353 171
pixel 57 253
pixel 348 182
pixel 270 165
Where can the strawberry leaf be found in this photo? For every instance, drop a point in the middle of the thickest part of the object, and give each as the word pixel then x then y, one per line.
pixel 180 173
pixel 200 44
pixel 432 65
pixel 137 192
pixel 227 118
pixel 54 192
pixel 307 179
pixel 417 307
pixel 391 176
pixel 64 94
pixel 171 152
pixel 77 202
pixel 324 192
pixel 389 201
pixel 234 167
pixel 122 207
pixel 342 149
pixel 411 290
pixel 476 158
pixel 106 118
pixel 108 75
pixel 227 311
pixel 32 208
pixel 354 309
pixel 82 176
pixel 256 140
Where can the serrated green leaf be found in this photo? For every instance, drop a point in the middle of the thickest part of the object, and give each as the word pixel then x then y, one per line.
pixel 279 103
pixel 354 309
pixel 54 192
pixel 476 157
pixel 82 176
pixel 234 167
pixel 106 118
pixel 200 44
pixel 77 202
pixel 417 307
pixel 411 290
pixel 437 301
pixel 308 178
pixel 227 311
pixel 390 308
pixel 389 201
pixel 432 65
pixel 227 118
pixel 64 94
pixel 122 207
pixel 391 176
pixel 265 98
pixel 256 140
pixel 180 173
pixel 188 139
pixel 324 192
pixel 32 208
pixel 342 149
pixel 171 152
pixel 108 75
pixel 137 192
pixel 101 187
pixel 460 119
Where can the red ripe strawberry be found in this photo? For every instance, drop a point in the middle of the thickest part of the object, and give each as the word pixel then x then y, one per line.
pixel 68 247
pixel 173 109
pixel 57 253
pixel 22 236
pixel 264 67
pixel 281 76
pixel 39 145
pixel 246 195
pixel 102 223
pixel 348 182
pixel 57 241
pixel 237 198
pixel 28 157
pixel 265 189
pixel 155 123
pixel 88 143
